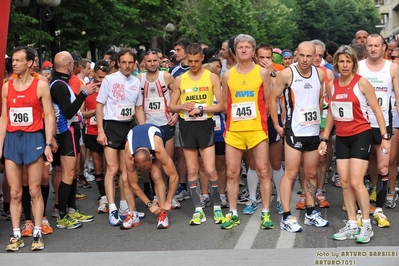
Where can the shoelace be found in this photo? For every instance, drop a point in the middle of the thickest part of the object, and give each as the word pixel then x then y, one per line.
pixel 162 216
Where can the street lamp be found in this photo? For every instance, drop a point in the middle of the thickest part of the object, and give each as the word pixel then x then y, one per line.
pixel 45 11
pixel 168 29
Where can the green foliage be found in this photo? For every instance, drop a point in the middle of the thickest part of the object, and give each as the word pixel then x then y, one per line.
pixel 96 25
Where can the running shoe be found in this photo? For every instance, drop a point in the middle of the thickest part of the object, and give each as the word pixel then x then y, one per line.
pixel 55 213
pixel 81 216
pixel 131 220
pixel 123 213
pixel 279 207
pixel 103 206
pixel 163 221
pixel 372 209
pixel 300 191
pixel 230 221
pixel 82 182
pixel 113 218
pixel 336 180
pixel 27 228
pixel 46 228
pixel 315 219
pixel 380 219
pixel 346 232
pixel 67 223
pixel 223 202
pixel 205 201
pixel 198 217
pixel 182 194
pixel 290 224
pixel 392 197
pixel 301 205
pixel 6 216
pixel 15 243
pixel 365 234
pixel 218 216
pixel 175 204
pixel 141 215
pixel 359 218
pixel 243 196
pixel 37 243
pixel 266 221
pixel 89 175
pixel 373 195
pixel 80 196
pixel 321 201
pixel 250 207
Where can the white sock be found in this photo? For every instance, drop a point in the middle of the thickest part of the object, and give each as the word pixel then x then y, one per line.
pixel 234 211
pixel 37 230
pixel 112 207
pixel 353 224
pixel 277 177
pixel 123 205
pixel 252 180
pixel 17 232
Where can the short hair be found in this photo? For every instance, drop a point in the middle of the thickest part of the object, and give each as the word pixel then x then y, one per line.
pixel 85 61
pixel 244 38
pixel 209 53
pixel 29 52
pixel 348 51
pixel 113 55
pixel 124 51
pixel 214 59
pixel 183 42
pixel 8 65
pixel 141 152
pixel 319 43
pixel 103 65
pixel 230 44
pixel 77 59
pixel 360 50
pixel 194 49
pixel 376 35
pixel 156 50
pixel 331 48
pixel 265 46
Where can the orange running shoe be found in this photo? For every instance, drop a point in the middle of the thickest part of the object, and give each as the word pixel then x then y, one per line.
pixel 321 201
pixel 46 228
pixel 27 228
pixel 302 203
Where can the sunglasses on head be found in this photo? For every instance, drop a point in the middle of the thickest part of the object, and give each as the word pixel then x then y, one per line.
pixel 104 68
pixel 151 52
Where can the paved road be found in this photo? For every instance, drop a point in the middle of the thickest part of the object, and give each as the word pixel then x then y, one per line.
pixel 98 243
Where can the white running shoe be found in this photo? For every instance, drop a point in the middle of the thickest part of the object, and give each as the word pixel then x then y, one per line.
pixel 223 201
pixel 365 234
pixel 103 205
pixel 290 225
pixel 175 204
pixel 315 219
pixel 163 221
pixel 346 232
pixel 132 220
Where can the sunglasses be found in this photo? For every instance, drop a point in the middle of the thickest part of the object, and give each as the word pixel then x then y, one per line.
pixel 165 61
pixel 393 57
pixel 104 68
pixel 151 52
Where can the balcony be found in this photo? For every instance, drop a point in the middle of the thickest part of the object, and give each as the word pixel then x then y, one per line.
pixel 384 9
pixel 395 5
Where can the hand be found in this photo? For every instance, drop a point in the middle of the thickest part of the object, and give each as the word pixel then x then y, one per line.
pixel 173 120
pixel 91 88
pixel 280 131
pixel 188 106
pixel 322 149
pixel 55 145
pixel 49 155
pixel 167 206
pixel 102 139
pixel 385 146
pixel 194 112
pixel 155 209
pixel 266 63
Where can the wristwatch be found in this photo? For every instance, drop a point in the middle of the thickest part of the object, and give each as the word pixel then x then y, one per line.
pixel 324 139
pixel 273 74
pixel 386 136
pixel 49 144
pixel 149 204
pixel 201 108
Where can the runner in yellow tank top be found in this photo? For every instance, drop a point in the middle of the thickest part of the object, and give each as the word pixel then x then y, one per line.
pixel 246 90
pixel 195 89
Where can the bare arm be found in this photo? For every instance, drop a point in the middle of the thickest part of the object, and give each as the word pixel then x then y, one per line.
pixel 101 138
pixel 3 117
pixel 265 75
pixel 395 83
pixel 49 117
pixel 139 115
pixel 283 80
pixel 174 105
pixel 169 80
pixel 225 89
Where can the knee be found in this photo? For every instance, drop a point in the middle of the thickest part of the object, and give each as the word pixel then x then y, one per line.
pixel 264 173
pixel 311 174
pixel 192 172
pixel 112 170
pixel 291 174
pixel 232 175
pixel 15 194
pixel 35 192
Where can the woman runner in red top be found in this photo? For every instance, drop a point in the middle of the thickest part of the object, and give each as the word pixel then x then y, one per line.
pixel 350 94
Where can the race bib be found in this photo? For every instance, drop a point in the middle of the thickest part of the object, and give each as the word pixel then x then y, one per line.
pixel 393 103
pixel 124 111
pixel 217 121
pixel 92 121
pixel 309 116
pixel 342 111
pixel 243 111
pixel 187 117
pixel 154 105
pixel 382 99
pixel 21 117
